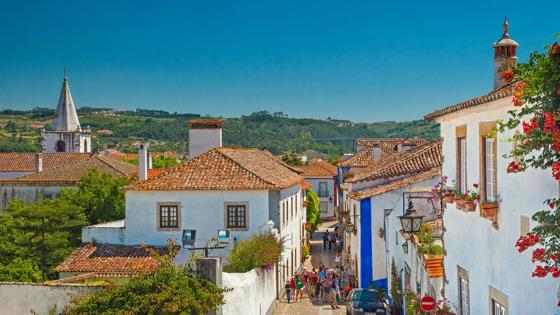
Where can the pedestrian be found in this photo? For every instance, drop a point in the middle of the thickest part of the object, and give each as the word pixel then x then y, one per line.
pixel 332 241
pixel 336 290
pixel 299 288
pixel 288 288
pixel 326 288
pixel 337 259
pixel 293 288
pixel 325 239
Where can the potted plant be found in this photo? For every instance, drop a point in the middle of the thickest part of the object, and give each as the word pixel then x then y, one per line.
pixel 381 233
pixel 471 198
pixel 459 200
pixel 442 191
pixel 489 208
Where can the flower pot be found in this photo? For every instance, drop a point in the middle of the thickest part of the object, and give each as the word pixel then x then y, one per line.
pixel 460 203
pixel 489 210
pixel 470 206
pixel 449 198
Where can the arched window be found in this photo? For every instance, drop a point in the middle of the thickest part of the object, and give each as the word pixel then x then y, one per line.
pixel 60 146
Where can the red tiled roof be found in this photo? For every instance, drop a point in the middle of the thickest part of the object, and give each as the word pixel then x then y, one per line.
pixel 364 158
pixel 73 172
pixel 153 172
pixel 421 158
pixel 225 169
pixel 319 168
pixel 396 184
pixel 206 122
pixel 492 96
pixel 27 162
pixel 111 258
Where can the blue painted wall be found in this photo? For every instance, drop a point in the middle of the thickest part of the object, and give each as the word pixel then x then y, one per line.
pixel 366 255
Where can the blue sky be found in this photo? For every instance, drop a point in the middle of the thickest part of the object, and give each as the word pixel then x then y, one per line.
pixel 357 60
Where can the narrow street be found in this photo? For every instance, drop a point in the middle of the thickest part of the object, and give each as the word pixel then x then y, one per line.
pixel 318 255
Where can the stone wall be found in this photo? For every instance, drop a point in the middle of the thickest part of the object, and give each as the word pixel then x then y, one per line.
pixel 23 298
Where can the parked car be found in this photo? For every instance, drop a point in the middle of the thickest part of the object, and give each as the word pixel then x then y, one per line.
pixel 367 302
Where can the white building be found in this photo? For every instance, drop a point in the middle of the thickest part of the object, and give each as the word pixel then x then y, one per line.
pixel 66 135
pixel 485 273
pixel 204 134
pixel 321 175
pixel 374 199
pixel 224 188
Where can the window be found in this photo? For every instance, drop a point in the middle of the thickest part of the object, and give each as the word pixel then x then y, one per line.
pixel 168 216
pixel 60 146
pixel 498 309
pixel 236 216
pixel 323 191
pixel 464 295
pixel 488 161
pixel 498 302
pixel 462 163
pixel 323 206
pixel 490 169
pixel 524 225
pixel 461 171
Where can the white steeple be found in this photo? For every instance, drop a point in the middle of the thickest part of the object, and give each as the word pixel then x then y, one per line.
pixel 66 118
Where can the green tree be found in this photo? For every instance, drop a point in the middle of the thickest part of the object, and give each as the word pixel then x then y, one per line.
pixel 158 161
pixel 100 195
pixel 169 290
pixel 42 233
pixel 20 270
pixel 313 212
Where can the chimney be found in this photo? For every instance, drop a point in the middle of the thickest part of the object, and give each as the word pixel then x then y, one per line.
pixel 204 135
pixel 150 160
pixel 39 162
pixel 376 153
pixel 143 161
pixel 505 56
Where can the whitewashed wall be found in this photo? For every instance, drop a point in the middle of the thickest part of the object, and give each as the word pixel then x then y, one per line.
pixel 253 292
pixel 314 181
pixel 202 140
pixel 22 298
pixel 486 253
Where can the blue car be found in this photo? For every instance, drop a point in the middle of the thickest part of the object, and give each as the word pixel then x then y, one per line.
pixel 366 302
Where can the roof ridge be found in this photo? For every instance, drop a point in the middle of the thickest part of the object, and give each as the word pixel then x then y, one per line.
pixel 54 168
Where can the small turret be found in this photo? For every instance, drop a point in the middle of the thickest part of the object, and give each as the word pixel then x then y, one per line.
pixel 505 56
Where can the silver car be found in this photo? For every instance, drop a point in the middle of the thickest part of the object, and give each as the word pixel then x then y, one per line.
pixel 366 302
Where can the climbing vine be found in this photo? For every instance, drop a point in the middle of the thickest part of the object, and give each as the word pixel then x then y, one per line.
pixel 537 98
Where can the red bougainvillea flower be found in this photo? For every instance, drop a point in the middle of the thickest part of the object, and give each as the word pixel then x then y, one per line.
pixel 540 272
pixel 529 126
pixel 554 271
pixel 558 90
pixel 507 75
pixel 554 257
pixel 514 167
pixel 556 170
pixel 551 205
pixel 475 185
pixel 526 241
pixel 538 254
pixel 549 123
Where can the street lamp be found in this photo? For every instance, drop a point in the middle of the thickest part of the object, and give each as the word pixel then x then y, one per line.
pixel 405 247
pixel 411 221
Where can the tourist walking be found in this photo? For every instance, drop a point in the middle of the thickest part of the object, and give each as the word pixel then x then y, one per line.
pixel 299 288
pixel 288 288
pixel 326 239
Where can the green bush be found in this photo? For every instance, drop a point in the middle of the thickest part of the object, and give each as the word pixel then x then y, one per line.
pixel 304 251
pixel 263 249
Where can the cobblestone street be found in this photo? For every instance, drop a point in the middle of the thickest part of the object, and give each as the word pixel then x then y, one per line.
pixel 306 306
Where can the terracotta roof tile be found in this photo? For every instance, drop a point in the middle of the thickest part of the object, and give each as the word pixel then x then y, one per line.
pixel 319 168
pixel 73 172
pixel 364 158
pixel 111 258
pixel 492 96
pixel 421 158
pixel 27 161
pixel 396 184
pixel 225 169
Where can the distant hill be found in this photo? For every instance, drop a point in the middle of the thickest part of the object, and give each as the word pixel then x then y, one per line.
pixel 168 131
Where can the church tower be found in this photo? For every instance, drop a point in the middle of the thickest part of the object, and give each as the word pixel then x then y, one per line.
pixel 505 56
pixel 66 134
